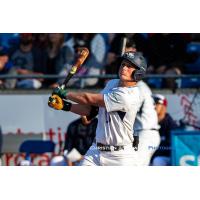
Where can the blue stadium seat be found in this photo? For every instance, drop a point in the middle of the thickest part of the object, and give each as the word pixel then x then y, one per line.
pixel 194 47
pixel 154 82
pixel 36 147
pixel 190 83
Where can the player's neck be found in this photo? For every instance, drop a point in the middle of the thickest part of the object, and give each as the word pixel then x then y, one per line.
pixel 127 83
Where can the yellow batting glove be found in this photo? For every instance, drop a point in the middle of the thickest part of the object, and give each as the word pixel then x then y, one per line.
pixel 56 102
pixel 59 104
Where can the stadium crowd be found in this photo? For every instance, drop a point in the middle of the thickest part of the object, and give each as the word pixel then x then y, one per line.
pixel 54 53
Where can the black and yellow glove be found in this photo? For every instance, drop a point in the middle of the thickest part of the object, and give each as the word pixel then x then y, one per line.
pixel 59 104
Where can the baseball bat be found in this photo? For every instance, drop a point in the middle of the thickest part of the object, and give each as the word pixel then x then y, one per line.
pixel 83 53
pixel 123 46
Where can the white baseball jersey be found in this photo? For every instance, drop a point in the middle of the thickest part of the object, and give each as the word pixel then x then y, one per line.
pixel 116 119
pixel 146 118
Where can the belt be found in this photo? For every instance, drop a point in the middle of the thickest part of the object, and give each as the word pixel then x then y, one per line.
pixel 103 147
pixel 154 129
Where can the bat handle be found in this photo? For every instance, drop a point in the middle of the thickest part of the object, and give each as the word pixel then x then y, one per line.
pixel 67 80
pixel 123 48
pixel 63 86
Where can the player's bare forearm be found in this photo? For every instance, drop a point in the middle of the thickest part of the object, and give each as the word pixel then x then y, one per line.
pixel 85 98
pixel 80 109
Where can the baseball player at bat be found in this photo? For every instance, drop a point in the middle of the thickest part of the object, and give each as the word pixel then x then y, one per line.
pixel 146 135
pixel 116 105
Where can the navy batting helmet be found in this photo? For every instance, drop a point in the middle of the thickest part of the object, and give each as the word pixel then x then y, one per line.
pixel 138 61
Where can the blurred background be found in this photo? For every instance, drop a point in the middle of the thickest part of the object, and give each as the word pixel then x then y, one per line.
pixel 32 64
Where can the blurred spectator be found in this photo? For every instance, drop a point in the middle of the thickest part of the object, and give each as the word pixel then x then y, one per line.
pixel 112 66
pixel 23 61
pixel 94 64
pixel 137 38
pixel 58 55
pixel 22 57
pixel 54 53
pixel 40 55
pixel 135 41
pixel 80 135
pixel 163 154
pixel 167 54
pixel 6 68
pixel 0 145
pixel 175 68
pixel 106 37
pixel 165 49
pixel 195 37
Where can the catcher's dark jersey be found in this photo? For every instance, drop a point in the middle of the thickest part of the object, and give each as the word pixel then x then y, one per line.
pixel 80 136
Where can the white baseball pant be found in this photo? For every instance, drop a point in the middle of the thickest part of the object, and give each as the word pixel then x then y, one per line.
pixel 124 157
pixel 149 141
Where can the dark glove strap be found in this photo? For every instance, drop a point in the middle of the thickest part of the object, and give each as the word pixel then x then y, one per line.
pixel 67 106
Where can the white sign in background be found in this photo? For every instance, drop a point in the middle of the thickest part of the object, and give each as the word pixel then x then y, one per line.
pixel 30 113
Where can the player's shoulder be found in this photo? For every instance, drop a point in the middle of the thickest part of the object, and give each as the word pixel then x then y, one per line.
pixel 113 82
pixel 128 93
pixel 142 84
pixel 143 87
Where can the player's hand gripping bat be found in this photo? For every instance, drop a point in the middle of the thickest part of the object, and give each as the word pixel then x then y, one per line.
pixel 82 55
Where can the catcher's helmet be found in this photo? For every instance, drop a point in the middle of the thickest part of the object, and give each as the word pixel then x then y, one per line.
pixel 138 61
pixel 159 99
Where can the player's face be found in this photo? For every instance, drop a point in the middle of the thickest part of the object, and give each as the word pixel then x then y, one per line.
pixel 161 111
pixel 158 108
pixel 126 70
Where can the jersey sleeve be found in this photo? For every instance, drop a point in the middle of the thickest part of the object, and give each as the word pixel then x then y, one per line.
pixel 116 101
pixel 109 84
